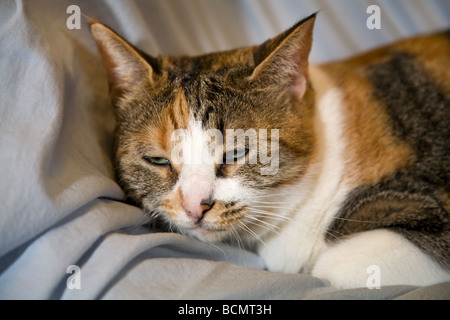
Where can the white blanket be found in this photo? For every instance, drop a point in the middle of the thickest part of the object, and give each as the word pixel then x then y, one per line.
pixel 64 230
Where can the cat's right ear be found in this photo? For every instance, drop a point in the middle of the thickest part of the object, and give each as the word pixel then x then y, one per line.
pixel 127 69
pixel 283 61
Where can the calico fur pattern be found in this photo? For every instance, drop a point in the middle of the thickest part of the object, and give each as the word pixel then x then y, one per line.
pixel 412 200
pixel 394 105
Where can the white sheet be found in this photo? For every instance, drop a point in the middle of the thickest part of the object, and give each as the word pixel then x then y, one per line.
pixel 60 205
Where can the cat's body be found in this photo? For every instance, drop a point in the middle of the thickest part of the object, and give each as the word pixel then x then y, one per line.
pixel 362 176
pixel 385 118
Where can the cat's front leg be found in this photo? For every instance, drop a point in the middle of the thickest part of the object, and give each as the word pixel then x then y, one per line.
pixel 375 259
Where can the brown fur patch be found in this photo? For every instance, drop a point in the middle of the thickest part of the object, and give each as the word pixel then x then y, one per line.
pixel 396 130
pixel 372 150
pixel 172 203
pixel 433 52
pixel 176 116
pixel 158 136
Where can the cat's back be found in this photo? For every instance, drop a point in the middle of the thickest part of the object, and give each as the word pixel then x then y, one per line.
pixel 397 108
pixel 432 51
pixel 396 127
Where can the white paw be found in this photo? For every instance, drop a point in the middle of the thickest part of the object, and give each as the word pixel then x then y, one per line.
pixel 377 258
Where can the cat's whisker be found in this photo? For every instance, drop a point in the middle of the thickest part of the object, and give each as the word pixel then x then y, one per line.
pixel 238 239
pixel 143 220
pixel 269 202
pixel 170 227
pixel 339 237
pixel 271 214
pixel 273 220
pixel 270 195
pixel 263 224
pixel 314 232
pixel 268 218
pixel 244 227
pixel 300 227
pixel 272 207
pixel 154 214
pixel 354 220
pixel 216 247
pixel 311 231
pixel 181 231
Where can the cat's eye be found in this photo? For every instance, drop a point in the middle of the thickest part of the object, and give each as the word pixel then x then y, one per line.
pixel 234 155
pixel 157 161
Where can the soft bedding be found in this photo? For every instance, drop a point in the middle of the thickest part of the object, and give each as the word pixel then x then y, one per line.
pixel 65 232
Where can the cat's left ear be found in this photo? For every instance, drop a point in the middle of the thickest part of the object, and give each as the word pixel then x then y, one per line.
pixel 126 67
pixel 283 60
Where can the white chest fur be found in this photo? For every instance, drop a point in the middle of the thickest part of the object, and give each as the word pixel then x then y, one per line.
pixel 320 194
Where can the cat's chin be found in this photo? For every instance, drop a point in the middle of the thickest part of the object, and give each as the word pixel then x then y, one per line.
pixel 205 234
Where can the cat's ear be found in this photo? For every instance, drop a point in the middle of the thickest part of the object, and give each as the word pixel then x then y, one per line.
pixel 283 60
pixel 127 69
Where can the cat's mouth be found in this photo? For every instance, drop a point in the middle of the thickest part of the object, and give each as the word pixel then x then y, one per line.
pixel 217 224
pixel 208 230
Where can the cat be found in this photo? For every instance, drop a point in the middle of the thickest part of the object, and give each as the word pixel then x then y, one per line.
pixel 360 149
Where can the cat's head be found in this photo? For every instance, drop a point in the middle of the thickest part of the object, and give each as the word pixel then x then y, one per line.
pixel 203 142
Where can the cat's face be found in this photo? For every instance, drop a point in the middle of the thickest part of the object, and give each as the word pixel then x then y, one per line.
pixel 202 142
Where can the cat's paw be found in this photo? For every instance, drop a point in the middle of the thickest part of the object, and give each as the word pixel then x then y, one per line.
pixel 377 258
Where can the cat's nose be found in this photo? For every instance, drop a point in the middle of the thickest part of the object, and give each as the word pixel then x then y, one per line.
pixel 196 209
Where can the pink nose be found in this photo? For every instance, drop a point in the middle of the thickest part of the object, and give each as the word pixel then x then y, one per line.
pixel 195 209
